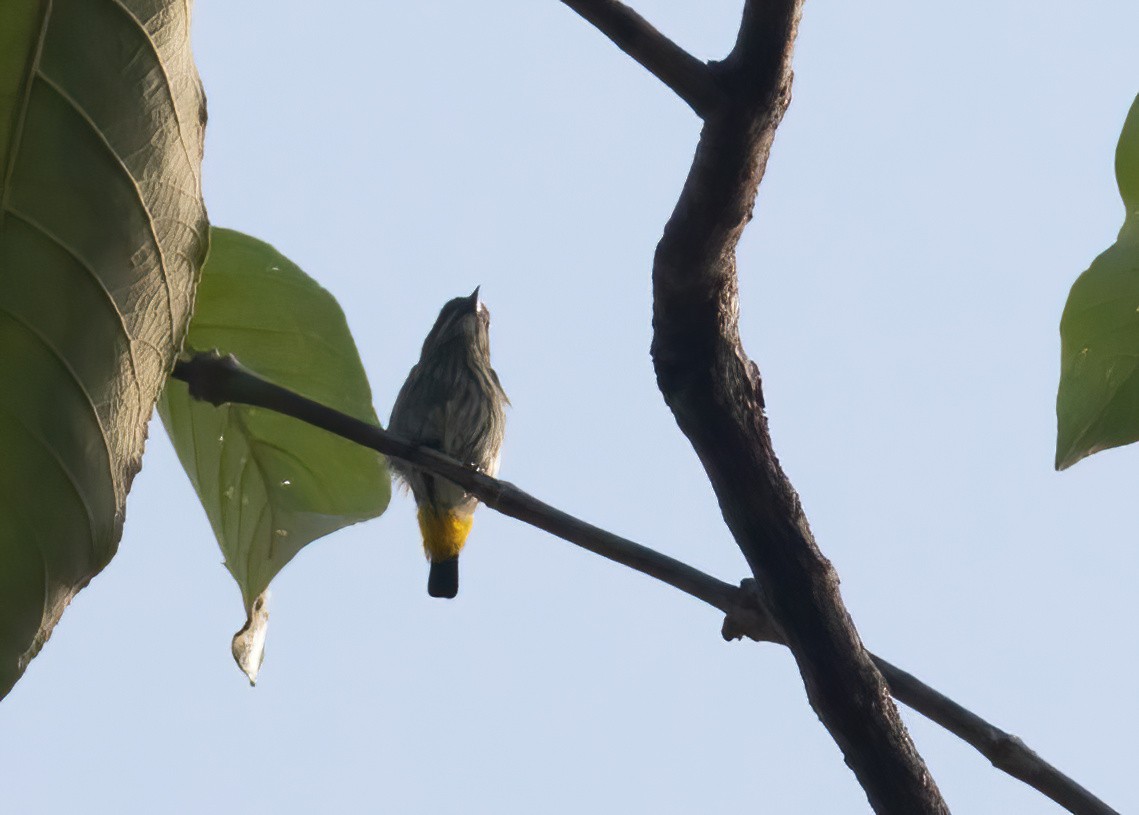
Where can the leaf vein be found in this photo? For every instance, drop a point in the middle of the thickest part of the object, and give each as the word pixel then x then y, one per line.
pixel 109 298
pixel 72 480
pixel 169 86
pixel 163 268
pixel 22 117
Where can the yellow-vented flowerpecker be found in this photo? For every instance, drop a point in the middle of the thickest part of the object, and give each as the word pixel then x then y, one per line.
pixel 452 402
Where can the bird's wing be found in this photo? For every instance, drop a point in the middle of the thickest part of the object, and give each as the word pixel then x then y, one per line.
pixel 409 420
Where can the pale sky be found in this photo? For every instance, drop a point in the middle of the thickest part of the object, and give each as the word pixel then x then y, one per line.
pixel 944 173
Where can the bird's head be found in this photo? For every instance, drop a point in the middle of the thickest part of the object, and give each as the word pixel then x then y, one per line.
pixel 464 321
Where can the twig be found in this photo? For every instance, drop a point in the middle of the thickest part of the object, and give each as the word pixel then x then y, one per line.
pixel 690 78
pixel 221 379
pixel 1007 752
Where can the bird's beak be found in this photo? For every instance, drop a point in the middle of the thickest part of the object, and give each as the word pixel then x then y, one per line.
pixel 474 298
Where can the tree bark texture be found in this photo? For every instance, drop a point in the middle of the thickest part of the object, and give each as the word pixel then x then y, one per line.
pixel 715 393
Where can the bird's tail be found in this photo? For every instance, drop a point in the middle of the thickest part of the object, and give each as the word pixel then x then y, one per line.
pixel 443 580
pixel 444 533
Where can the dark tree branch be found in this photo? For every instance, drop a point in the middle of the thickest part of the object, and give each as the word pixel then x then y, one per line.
pixel 222 380
pixel 1006 751
pixel 715 393
pixel 690 78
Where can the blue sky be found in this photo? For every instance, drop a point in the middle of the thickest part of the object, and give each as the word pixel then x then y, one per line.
pixel 942 176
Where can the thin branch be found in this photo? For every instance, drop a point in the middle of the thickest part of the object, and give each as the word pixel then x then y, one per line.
pixel 1007 752
pixel 220 380
pixel 690 78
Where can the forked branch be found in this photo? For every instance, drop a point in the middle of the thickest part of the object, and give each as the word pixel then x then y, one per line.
pixel 690 78
pixel 716 396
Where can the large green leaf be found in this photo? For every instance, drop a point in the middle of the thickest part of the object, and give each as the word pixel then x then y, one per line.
pixel 1097 406
pixel 102 233
pixel 271 484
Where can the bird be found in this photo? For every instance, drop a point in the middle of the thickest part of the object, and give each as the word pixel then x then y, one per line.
pixel 452 402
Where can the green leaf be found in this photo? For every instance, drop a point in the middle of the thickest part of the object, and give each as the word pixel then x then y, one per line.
pixel 1097 406
pixel 1127 161
pixel 271 484
pixel 102 233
